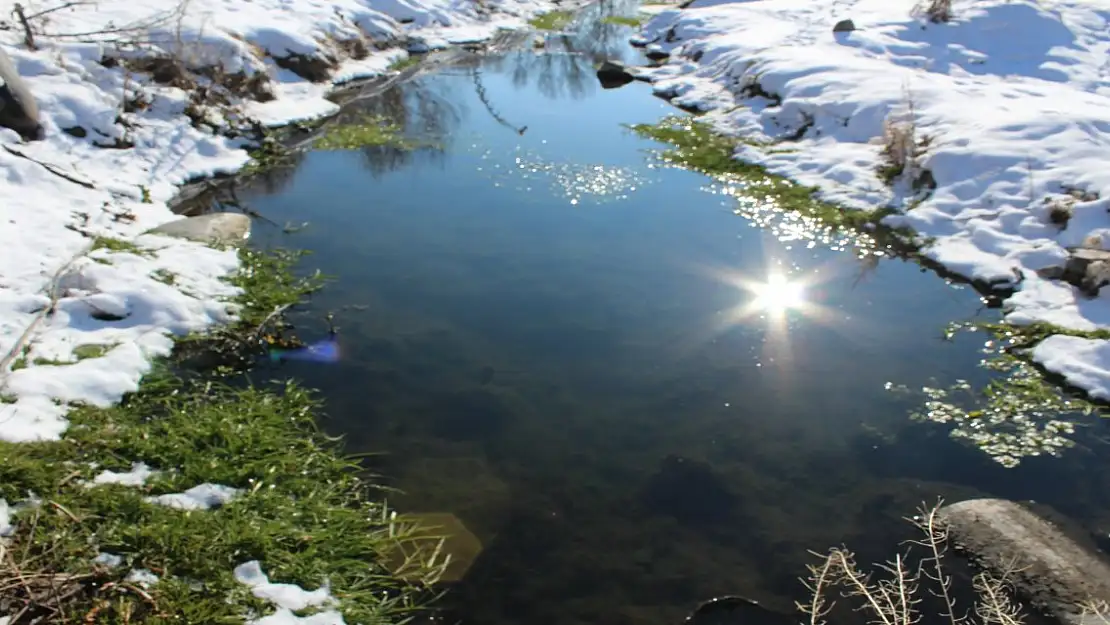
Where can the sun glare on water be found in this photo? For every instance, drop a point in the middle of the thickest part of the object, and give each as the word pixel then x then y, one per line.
pixel 778 294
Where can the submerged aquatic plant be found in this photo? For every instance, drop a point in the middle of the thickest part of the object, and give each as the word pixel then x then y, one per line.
pixel 1017 415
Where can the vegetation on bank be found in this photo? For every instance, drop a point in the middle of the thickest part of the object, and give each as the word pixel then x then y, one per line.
pixel 694 145
pixel 302 509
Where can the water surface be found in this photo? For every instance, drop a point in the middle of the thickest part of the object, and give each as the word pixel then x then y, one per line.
pixel 549 336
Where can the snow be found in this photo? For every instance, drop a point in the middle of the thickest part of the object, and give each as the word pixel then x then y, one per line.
pixel 5 519
pixel 63 192
pixel 201 497
pixel 1014 97
pixel 288 598
pixel 137 476
pixel 1084 362
pixel 109 560
pixel 142 577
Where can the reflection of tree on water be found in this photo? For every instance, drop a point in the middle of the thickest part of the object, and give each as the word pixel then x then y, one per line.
pixel 483 95
pixel 554 74
pixel 425 115
pixel 565 67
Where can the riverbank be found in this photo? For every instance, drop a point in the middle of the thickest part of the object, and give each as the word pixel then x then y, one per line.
pixel 989 150
pixel 184 502
pixel 106 513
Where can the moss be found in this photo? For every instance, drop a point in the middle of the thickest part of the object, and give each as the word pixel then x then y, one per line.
pixel 696 146
pixel 552 20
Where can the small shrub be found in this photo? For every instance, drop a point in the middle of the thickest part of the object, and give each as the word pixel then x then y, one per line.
pixel 936 11
pixel 1060 210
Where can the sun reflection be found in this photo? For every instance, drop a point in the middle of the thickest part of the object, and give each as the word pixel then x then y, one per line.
pixel 778 294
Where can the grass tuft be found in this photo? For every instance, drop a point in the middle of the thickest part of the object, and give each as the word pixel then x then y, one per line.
pixel 118 246
pixel 552 20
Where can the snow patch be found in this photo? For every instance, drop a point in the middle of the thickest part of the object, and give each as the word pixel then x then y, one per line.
pixel 6 527
pixel 142 577
pixel 137 476
pixel 1084 363
pixel 201 497
pixel 288 598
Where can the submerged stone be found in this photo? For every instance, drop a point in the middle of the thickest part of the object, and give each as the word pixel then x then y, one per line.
pixel 211 228
pixel 426 531
pixel 690 491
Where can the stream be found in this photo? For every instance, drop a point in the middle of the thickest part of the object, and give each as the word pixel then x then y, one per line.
pixel 633 397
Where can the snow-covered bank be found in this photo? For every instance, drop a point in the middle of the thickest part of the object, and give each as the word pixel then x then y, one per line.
pixel 1009 105
pixel 87 300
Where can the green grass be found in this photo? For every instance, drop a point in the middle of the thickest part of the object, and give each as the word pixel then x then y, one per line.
pixel 118 245
pixel 402 64
pixel 90 350
pixel 371 130
pixel 696 146
pixel 552 20
pixel 304 512
pixel 623 20
pixel 164 276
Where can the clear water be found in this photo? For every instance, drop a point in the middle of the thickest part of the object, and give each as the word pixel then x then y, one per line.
pixel 548 336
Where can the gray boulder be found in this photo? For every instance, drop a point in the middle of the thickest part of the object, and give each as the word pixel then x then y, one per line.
pixel 1049 569
pixel 844 26
pixel 211 228
pixel 18 109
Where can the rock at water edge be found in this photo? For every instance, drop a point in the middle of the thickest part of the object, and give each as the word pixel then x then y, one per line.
pixel 1047 568
pixel 211 228
pixel 612 75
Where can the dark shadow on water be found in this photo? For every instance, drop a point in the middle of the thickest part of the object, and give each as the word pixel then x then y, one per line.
pixel 544 335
